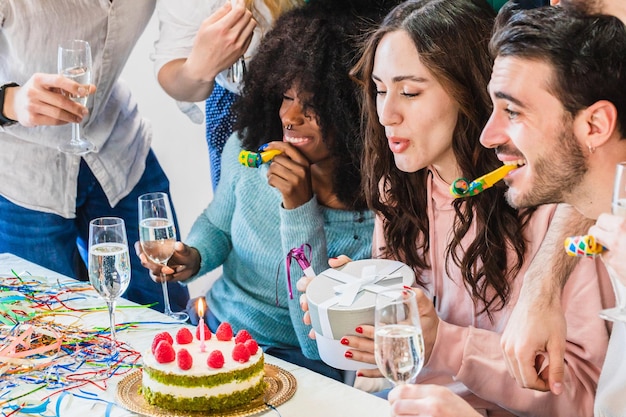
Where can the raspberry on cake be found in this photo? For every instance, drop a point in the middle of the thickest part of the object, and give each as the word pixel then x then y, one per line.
pixel 227 375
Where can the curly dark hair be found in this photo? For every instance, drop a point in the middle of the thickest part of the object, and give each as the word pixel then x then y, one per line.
pixel 452 39
pixel 313 47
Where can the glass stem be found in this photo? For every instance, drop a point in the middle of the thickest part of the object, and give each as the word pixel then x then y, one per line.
pixel 111 306
pixel 75 132
pixel 167 310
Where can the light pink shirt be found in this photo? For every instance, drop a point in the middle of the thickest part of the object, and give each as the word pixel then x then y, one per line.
pixel 467 356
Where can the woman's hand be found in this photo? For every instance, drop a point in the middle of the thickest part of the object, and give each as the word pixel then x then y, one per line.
pixel 184 263
pixel 428 400
pixel 40 101
pixel 290 173
pixel 303 284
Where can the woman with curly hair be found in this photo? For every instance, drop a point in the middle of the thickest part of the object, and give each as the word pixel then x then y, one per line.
pixel 425 73
pixel 298 98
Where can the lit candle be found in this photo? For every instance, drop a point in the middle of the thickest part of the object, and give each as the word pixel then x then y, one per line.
pixel 201 324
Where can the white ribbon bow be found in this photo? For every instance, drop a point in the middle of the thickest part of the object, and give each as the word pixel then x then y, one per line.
pixel 348 291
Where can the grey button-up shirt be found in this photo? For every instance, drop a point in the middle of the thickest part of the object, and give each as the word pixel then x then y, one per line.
pixel 33 173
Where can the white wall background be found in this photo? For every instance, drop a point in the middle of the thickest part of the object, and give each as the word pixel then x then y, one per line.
pixel 178 143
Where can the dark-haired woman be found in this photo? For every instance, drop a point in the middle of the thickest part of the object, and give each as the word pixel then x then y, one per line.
pixel 298 97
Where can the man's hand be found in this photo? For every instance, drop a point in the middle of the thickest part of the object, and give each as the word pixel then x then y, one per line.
pixel 537 324
pixel 532 329
pixel 610 231
pixel 40 101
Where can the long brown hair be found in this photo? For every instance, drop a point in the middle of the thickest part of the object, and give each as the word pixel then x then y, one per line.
pixel 451 37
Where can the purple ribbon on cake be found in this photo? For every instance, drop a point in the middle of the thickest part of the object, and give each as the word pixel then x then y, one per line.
pixel 302 259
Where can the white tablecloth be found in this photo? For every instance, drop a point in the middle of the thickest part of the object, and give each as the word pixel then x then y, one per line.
pixel 315 396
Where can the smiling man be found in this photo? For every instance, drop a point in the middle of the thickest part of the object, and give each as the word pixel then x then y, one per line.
pixel 558 88
pixel 537 323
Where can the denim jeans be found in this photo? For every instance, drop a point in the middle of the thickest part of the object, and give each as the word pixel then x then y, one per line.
pixel 60 244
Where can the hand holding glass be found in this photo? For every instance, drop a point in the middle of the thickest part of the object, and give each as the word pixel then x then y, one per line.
pixel 109 263
pixel 158 236
pixel 619 209
pixel 74 62
pixel 398 342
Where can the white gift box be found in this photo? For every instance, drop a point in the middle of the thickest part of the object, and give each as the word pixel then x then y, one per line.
pixel 342 299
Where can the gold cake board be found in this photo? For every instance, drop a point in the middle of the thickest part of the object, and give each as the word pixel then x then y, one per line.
pixel 281 385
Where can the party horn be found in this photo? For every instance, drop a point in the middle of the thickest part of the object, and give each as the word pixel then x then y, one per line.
pixel 583 246
pixel 460 188
pixel 255 159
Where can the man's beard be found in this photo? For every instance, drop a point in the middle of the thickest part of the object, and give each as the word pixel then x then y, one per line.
pixel 556 175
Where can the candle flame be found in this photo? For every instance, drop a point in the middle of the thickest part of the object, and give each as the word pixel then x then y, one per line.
pixel 200 307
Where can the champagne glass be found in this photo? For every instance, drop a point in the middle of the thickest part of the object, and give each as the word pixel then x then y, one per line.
pixel 74 62
pixel 398 341
pixel 618 207
pixel 109 263
pixel 157 235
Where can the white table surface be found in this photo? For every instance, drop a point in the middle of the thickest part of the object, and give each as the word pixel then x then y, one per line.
pixel 316 395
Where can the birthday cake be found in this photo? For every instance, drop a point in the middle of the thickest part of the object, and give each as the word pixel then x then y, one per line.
pixel 216 374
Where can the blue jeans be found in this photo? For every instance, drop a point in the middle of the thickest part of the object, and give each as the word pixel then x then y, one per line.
pixel 60 244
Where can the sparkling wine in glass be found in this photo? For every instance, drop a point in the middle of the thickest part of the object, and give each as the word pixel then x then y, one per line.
pixel 618 207
pixel 74 62
pixel 109 263
pixel 157 235
pixel 398 341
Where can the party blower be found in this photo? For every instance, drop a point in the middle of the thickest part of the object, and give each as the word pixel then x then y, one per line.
pixel 583 246
pixel 256 159
pixel 460 187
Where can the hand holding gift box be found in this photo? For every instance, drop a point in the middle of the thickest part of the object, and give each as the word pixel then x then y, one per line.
pixel 342 299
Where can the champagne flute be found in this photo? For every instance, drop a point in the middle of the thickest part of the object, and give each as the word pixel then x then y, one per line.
pixel 157 235
pixel 398 341
pixel 109 263
pixel 74 62
pixel 618 207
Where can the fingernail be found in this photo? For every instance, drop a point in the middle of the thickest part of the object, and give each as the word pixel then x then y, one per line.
pixel 557 388
pixel 334 258
pixel 359 330
pixel 345 341
pixel 180 268
pixel 82 91
pixel 359 373
pixel 406 287
pixel 262 147
pixel 348 354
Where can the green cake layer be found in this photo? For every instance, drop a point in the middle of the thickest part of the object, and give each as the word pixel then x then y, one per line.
pixel 211 404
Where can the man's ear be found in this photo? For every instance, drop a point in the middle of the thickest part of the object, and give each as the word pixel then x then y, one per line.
pixel 596 124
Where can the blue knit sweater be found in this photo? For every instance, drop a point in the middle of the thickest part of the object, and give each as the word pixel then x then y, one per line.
pixel 246 230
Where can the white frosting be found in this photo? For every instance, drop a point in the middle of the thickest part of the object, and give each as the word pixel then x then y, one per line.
pixel 191 392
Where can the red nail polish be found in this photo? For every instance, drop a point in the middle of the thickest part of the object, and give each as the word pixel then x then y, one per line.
pixel 359 330
pixel 333 258
pixel 348 354
pixel 345 341
pixel 406 287
pixel 359 373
